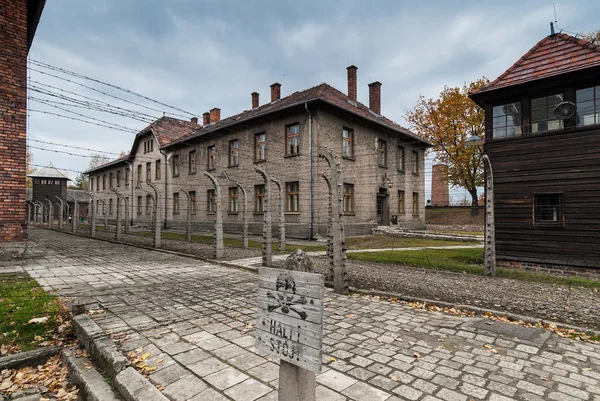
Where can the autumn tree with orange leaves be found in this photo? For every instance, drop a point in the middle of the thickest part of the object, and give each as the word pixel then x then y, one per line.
pixel 447 122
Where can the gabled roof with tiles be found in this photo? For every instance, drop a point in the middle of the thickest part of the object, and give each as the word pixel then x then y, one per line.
pixel 554 55
pixel 323 92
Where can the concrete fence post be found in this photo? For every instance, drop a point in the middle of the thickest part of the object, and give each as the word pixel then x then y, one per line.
pixel 155 213
pixel 75 214
pixel 188 218
pixel 61 213
pixel 28 220
pixel 127 222
pixel 40 212
pixel 267 259
pixel 244 209
pixel 281 214
pixel 68 210
pixel 219 247
pixel 50 207
pixel 92 214
pixel 118 221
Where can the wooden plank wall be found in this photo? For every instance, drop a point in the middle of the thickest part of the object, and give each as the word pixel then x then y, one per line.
pixel 567 163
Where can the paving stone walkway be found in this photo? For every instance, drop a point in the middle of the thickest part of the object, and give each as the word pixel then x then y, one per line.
pixel 197 319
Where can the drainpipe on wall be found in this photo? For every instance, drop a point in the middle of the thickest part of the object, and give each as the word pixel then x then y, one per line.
pixel 166 180
pixel 310 175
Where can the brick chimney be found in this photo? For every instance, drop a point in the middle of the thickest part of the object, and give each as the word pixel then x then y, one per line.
pixel 439 186
pixel 254 99
pixel 206 118
pixel 352 82
pixel 194 120
pixel 375 97
pixel 275 91
pixel 215 115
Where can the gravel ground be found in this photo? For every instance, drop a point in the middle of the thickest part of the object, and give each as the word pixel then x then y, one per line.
pixel 576 306
pixel 193 248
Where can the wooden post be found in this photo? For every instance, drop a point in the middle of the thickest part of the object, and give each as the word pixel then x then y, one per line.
pixel 281 215
pixel 267 259
pixel 219 248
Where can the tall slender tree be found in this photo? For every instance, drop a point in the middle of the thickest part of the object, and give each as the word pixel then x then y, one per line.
pixel 447 122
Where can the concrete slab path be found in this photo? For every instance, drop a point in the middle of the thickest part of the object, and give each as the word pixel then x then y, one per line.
pixel 196 320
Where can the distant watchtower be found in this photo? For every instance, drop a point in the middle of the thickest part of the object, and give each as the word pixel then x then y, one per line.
pixel 48 183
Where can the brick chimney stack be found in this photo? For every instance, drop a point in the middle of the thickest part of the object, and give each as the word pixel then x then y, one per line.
pixel 375 97
pixel 254 99
pixel 206 118
pixel 275 91
pixel 352 82
pixel 194 120
pixel 215 115
pixel 439 186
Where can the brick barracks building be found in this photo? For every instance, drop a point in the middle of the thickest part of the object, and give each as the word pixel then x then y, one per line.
pixel 18 22
pixel 382 164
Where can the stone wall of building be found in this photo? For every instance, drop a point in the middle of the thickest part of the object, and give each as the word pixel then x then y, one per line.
pixel 13 112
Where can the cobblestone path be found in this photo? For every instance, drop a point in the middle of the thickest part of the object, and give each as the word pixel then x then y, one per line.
pixel 197 318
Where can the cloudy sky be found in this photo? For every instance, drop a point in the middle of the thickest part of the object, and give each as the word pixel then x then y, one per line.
pixel 196 55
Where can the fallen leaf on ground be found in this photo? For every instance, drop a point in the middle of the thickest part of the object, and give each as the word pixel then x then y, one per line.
pixel 38 320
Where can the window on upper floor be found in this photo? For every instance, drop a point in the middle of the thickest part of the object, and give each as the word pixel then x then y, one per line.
pixel 292 192
pixel 175 165
pixel 103 181
pixel 381 153
pixel 259 198
pixel 348 198
pixel 260 147
pixel 548 209
pixel 506 120
pixel 233 200
pixel 588 106
pixel 176 203
pixel 234 153
pixel 211 158
pixel 110 180
pixel 91 183
pixel 400 158
pixel 139 173
pixel 415 162
pixel 148 172
pixel 192 162
pixel 348 143
pixel 211 205
pixel 97 183
pixel 127 176
pixel 292 134
pixel 542 113
pixel 118 178
pixel 157 172
pixel 193 204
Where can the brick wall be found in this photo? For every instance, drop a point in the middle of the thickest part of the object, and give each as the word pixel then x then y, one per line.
pixel 13 84
pixel 439 186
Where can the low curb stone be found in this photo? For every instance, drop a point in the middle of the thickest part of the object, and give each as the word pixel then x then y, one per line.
pixel 135 387
pixel 28 358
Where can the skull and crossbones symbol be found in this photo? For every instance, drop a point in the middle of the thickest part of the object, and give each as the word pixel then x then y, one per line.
pixel 286 302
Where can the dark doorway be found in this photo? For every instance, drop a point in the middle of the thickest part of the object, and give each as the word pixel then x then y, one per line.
pixel 382 207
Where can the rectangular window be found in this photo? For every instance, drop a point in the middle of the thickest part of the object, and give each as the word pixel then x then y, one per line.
pixel 588 106
pixel 260 147
pixel 104 207
pixel 211 157
pixel 139 174
pixel 400 203
pixel 415 205
pixel 292 139
pixel 193 205
pixel 348 142
pixel 233 200
pixel 176 203
pixel 148 172
pixel 548 209
pixel 97 183
pixel 110 180
pixel 139 205
pixel 292 190
pixel 211 205
pixel 145 147
pixel 110 206
pixel 157 172
pixel 400 158
pixel 348 198
pixel 175 165
pixel 148 204
pixel 127 176
pixel 382 153
pixel 507 120
pixel 415 162
pixel 118 178
pixel 97 206
pixel 259 198
pixel 542 113
pixel 192 162
pixel 91 183
pixel 234 155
